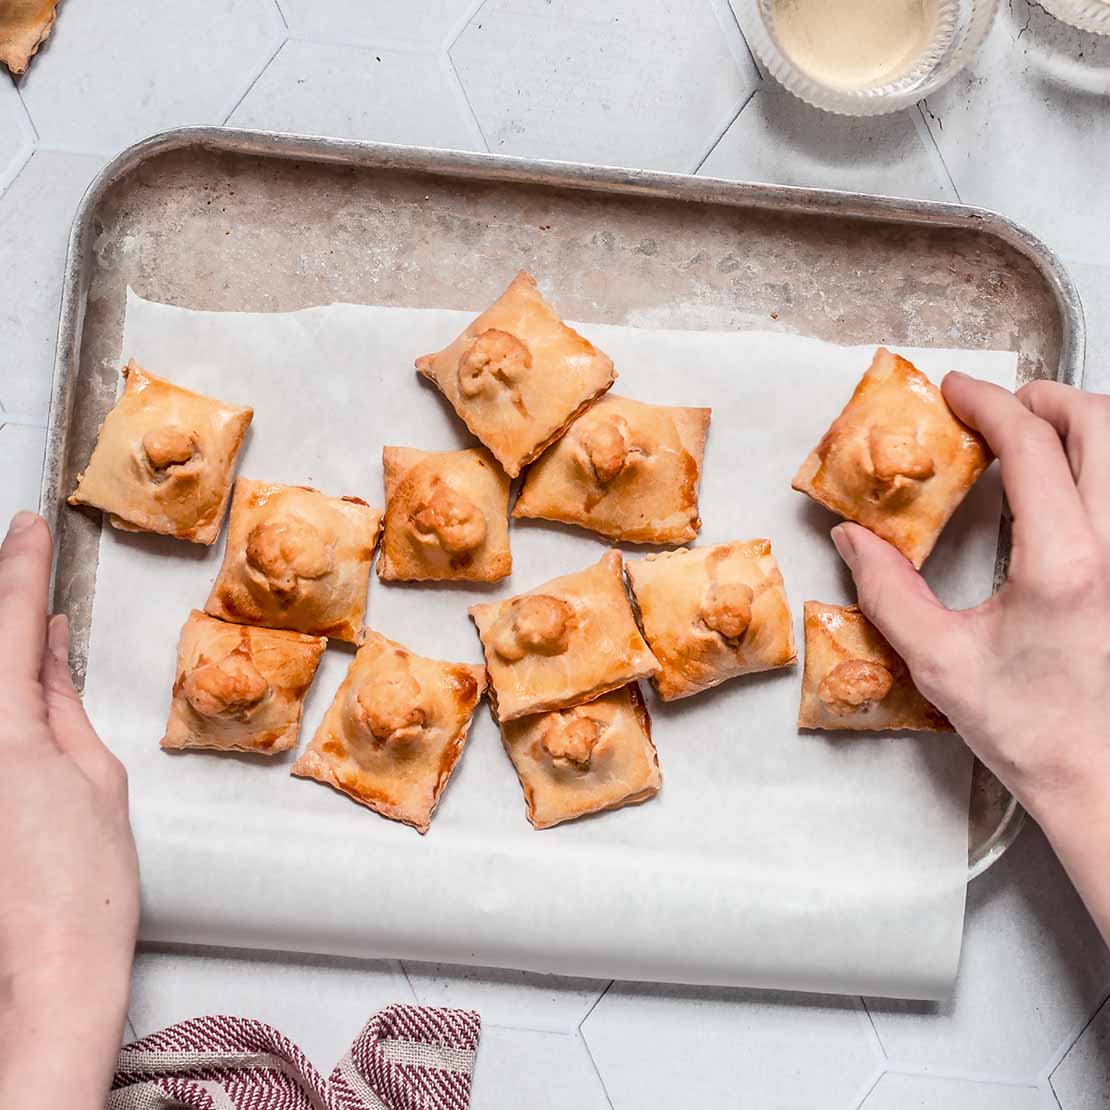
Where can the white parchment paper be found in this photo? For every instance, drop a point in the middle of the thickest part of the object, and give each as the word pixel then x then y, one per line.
pixel 771 858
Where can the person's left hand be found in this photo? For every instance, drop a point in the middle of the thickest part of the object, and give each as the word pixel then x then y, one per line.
pixel 69 879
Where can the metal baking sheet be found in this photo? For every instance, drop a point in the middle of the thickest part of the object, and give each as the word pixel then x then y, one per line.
pixel 224 219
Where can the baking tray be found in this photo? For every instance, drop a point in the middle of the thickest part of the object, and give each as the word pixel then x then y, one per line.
pixel 225 219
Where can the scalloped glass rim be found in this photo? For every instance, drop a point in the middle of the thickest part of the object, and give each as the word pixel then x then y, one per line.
pixel 1087 15
pixel 957 42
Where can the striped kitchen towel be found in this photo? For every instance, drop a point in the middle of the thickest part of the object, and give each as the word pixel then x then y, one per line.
pixel 407 1058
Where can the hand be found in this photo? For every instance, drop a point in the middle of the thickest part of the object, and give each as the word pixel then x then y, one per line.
pixel 1025 676
pixel 68 871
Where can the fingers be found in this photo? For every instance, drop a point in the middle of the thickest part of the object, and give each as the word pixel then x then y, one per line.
pixel 72 730
pixel 1035 471
pixel 24 588
pixel 1082 421
pixel 898 601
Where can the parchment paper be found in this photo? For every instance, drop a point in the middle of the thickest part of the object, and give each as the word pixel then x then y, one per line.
pixel 771 858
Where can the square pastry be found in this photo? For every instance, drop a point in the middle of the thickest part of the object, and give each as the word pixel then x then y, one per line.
pixel 896 460
pixel 584 759
pixel 712 613
pixel 163 459
pixel 625 469
pixel 446 516
pixel 518 375
pixel 239 688
pixel 296 558
pixel 853 678
pixel 563 643
pixel 395 731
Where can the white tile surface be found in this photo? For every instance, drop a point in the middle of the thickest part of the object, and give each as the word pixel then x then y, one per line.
pixel 356 92
pixel 16 137
pixel 320 1004
pixel 1032 971
pixel 517 998
pixel 427 23
pixel 116 71
pixel 625 83
pixel 520 1069
pixel 21 449
pixel 675 1046
pixel 35 217
pixel 651 83
pixel 924 1092
pixel 1026 129
pixel 780 139
pixel 1082 1079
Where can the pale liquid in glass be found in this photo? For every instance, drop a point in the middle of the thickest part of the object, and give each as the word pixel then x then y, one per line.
pixel 855 44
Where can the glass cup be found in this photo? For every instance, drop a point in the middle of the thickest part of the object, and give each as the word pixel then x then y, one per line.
pixel 1087 15
pixel 958 31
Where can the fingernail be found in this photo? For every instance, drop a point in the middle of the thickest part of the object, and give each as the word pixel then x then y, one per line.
pixel 844 544
pixel 22 521
pixel 57 638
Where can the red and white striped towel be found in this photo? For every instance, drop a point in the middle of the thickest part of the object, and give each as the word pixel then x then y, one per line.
pixel 406 1058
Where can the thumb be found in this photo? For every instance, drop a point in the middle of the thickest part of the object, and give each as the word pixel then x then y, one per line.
pixel 73 732
pixel 894 597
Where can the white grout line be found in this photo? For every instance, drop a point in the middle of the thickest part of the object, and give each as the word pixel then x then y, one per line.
pixel 994 1079
pixel 457 83
pixel 225 116
pixel 581 1040
pixel 7 182
pixel 917 116
pixel 725 130
pixel 869 1085
pixel 1068 1043
pixel 737 44
pixel 27 113
pixel 461 24
pixel 874 1028
pixel 593 1005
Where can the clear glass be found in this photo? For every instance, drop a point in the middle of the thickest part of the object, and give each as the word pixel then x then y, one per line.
pixel 961 26
pixel 1087 15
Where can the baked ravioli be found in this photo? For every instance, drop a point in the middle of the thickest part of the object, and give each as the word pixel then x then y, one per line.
pixel 563 643
pixel 446 516
pixel 896 460
pixel 239 688
pixel 584 759
pixel 712 613
pixel 296 559
pixel 625 469
pixel 395 731
pixel 164 459
pixel 518 375
pixel 853 678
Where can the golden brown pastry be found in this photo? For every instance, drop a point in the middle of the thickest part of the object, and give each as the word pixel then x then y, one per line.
pixel 518 375
pixel 896 460
pixel 163 459
pixel 854 680
pixel 563 643
pixel 584 759
pixel 625 469
pixel 446 516
pixel 239 689
pixel 712 613
pixel 297 559
pixel 24 27
pixel 395 731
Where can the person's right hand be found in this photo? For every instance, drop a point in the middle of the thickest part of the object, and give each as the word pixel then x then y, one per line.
pixel 1025 676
